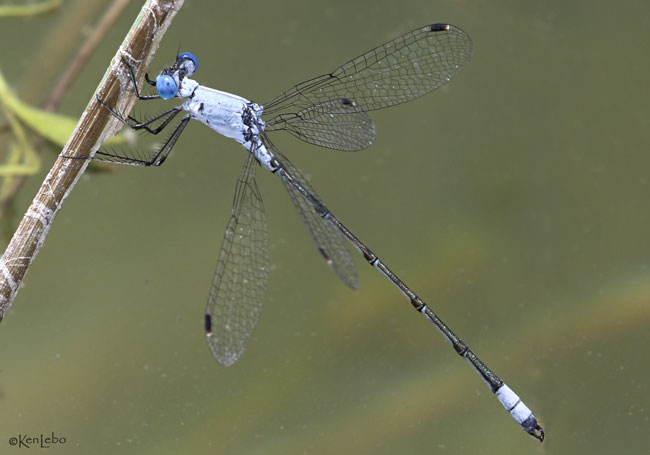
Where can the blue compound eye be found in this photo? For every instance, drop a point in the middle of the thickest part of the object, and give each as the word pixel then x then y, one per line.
pixel 166 86
pixel 192 57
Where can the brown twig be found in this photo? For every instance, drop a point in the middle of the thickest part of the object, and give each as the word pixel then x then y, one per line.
pixel 94 127
pixel 60 89
pixel 104 25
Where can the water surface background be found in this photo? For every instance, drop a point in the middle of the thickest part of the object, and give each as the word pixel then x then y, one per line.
pixel 515 201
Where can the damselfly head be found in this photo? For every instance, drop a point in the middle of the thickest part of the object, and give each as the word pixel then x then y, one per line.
pixel 167 85
pixel 187 63
pixel 170 79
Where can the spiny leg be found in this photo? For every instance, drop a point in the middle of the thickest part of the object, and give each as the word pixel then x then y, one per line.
pixel 135 84
pixel 171 113
pixel 156 160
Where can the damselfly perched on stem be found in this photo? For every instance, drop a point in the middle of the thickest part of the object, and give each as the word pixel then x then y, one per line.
pixel 330 111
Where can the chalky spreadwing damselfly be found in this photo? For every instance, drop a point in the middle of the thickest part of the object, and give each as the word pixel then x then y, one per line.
pixel 329 111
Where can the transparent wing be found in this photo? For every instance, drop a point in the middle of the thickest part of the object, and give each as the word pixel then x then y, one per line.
pixel 241 277
pixel 340 124
pixel 395 72
pixel 330 242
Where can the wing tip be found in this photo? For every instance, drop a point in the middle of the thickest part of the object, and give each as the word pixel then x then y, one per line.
pixel 439 27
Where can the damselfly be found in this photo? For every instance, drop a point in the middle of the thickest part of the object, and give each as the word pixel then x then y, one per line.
pixel 330 111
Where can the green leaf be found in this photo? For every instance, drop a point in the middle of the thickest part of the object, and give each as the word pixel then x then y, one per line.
pixel 29 9
pixel 54 127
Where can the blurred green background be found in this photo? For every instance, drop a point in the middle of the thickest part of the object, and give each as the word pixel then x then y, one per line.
pixel 515 201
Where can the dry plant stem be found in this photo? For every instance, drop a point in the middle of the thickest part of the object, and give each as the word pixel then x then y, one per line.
pixel 94 127
pixel 54 98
